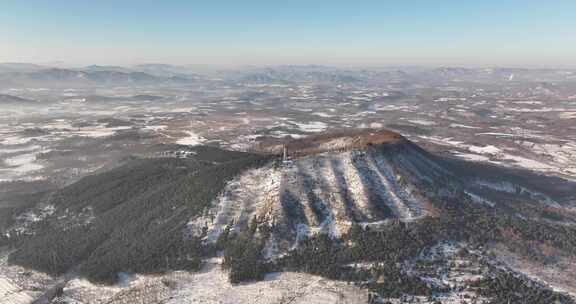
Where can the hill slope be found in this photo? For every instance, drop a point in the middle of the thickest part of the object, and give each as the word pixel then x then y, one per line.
pixel 364 206
pixel 126 219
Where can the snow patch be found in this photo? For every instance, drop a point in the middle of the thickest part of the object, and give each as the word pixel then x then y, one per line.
pixel 489 149
pixel 192 139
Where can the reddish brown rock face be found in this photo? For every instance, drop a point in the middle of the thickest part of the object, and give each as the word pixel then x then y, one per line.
pixel 342 140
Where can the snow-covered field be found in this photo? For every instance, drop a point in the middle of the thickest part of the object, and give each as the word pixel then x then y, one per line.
pixel 313 126
pixel 11 294
pixel 191 139
pixel 541 157
pixel 19 165
pixel 211 286
pixel 19 285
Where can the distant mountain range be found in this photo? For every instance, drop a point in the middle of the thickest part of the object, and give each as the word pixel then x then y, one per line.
pixel 415 75
pixel 10 99
pixel 23 74
pixel 98 98
pixel 65 77
pixel 20 67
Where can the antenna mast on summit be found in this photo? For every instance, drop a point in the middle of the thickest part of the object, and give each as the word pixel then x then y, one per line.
pixel 284 158
pixel 285 161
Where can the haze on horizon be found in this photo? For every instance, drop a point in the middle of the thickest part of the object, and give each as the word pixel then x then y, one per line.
pixel 526 33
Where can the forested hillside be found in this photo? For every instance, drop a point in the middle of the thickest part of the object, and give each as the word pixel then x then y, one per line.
pixel 376 211
pixel 130 219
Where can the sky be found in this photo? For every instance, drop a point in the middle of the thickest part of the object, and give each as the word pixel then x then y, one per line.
pixel 532 33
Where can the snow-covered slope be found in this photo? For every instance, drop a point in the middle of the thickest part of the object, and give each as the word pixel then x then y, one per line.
pixel 326 193
pixel 331 183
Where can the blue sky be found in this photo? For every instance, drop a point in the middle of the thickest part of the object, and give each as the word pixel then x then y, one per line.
pixel 424 32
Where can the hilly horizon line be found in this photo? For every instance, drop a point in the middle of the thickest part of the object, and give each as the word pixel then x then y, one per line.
pixel 71 66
